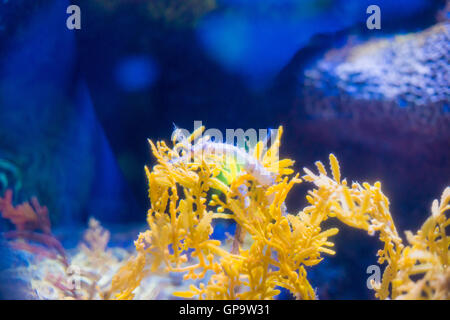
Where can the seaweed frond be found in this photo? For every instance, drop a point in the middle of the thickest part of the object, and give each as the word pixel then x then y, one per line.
pixel 32 228
pixel 366 207
pixel 271 247
pixel 186 196
pixel 27 216
pixel 423 268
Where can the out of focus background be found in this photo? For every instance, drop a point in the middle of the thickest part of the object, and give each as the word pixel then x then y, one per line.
pixel 77 106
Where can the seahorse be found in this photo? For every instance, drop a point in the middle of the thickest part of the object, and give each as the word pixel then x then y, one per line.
pixel 204 148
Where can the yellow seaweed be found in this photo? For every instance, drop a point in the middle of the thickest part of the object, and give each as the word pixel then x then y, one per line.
pixel 271 247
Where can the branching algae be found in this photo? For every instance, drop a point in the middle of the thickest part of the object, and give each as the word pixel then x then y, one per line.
pixel 198 181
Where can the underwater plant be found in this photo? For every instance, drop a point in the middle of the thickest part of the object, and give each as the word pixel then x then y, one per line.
pixel 88 275
pixel 414 271
pixel 52 271
pixel 32 223
pixel 246 197
pixel 198 181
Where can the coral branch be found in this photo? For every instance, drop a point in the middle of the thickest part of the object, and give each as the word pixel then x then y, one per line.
pixel 25 216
